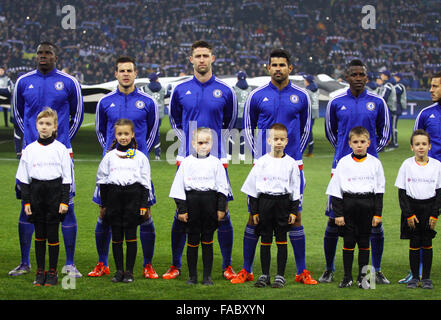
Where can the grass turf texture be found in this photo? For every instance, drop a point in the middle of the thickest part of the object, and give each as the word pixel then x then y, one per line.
pixel 317 170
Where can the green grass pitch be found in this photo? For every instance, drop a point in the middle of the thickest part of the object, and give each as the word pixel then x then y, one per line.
pixel 317 170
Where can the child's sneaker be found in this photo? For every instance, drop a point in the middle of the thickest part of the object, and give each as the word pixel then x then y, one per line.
pixel 51 278
pixel 207 281
pixel 279 282
pixel 40 278
pixel 413 283
pixel 118 277
pixel 426 284
pixel 345 283
pixel 263 281
pixel 128 277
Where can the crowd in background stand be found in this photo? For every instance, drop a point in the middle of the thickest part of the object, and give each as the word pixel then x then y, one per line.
pixel 321 35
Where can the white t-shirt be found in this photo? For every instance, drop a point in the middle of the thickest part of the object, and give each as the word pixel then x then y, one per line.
pixel 420 182
pixel 357 177
pixel 273 176
pixel 45 163
pixel 124 171
pixel 200 174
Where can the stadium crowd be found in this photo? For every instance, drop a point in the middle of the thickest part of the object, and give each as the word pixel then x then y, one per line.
pixel 322 35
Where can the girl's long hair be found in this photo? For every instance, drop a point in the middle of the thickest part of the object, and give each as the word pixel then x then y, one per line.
pixel 124 122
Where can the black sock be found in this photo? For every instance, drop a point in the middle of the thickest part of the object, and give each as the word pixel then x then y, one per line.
pixel 265 258
pixel 414 260
pixel 40 253
pixel 118 255
pixel 282 254
pixel 427 262
pixel 207 258
pixel 192 260
pixel 132 249
pixel 348 259
pixel 54 249
pixel 363 260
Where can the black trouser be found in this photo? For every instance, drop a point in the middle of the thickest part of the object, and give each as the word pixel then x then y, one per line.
pixel 273 220
pixel 201 225
pixel 421 238
pixel 123 214
pixel 358 214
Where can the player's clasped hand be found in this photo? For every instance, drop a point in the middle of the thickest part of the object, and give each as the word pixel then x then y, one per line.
pixel 183 217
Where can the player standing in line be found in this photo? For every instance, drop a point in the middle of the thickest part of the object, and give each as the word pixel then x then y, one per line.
pixel 129 102
pixel 200 189
pixel 203 101
pixel 273 189
pixel 279 101
pixel 419 194
pixel 355 107
pixel 48 87
pixel 356 190
pixel 45 173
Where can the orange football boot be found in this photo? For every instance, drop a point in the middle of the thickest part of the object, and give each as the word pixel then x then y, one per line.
pixel 305 277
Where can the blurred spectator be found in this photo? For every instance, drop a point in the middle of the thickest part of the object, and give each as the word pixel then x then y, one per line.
pixel 314 93
pixel 158 93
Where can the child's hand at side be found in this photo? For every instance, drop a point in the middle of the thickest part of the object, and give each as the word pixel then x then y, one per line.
pixel 376 221
pixel 432 223
pixel 146 212
pixel 412 221
pixel 183 217
pixel 220 215
pixel 27 209
pixel 292 218
pixel 63 208
pixel 340 221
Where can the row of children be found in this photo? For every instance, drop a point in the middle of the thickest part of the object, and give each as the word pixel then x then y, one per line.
pixel 200 190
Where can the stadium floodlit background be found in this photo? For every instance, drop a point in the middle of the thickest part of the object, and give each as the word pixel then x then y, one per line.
pixel 322 37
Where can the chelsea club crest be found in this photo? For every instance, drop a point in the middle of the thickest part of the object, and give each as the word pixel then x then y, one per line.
pixel 59 85
pixel 140 104
pixel 217 93
pixel 294 98
pixel 370 106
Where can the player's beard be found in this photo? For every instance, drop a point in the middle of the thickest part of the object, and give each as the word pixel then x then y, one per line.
pixel 203 71
pixel 280 79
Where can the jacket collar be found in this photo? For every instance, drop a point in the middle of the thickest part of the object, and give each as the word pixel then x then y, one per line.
pixel 362 95
pixel 210 81
pixel 52 72
pixel 272 86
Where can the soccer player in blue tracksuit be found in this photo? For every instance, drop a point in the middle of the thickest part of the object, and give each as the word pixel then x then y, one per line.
pixel 129 102
pixel 355 107
pixel 203 101
pixel 48 87
pixel 280 101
